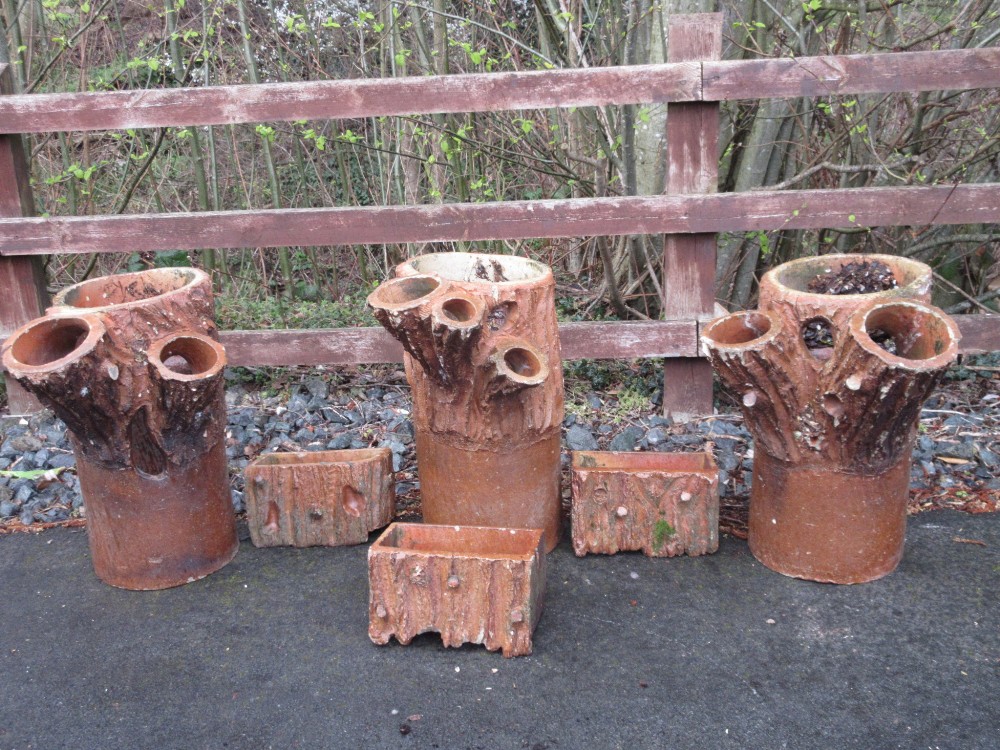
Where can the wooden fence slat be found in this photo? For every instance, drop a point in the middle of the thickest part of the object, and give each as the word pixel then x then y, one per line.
pixel 490 92
pixel 980 333
pixel 349 98
pixel 689 259
pixel 575 217
pixel 604 340
pixel 852 74
pixel 353 346
pixel 22 279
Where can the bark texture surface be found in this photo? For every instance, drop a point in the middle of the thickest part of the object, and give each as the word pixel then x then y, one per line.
pixel 130 364
pixel 470 584
pixel 324 498
pixel 664 504
pixel 833 428
pixel 482 358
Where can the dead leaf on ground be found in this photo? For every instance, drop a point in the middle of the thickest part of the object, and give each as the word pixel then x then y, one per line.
pixel 962 540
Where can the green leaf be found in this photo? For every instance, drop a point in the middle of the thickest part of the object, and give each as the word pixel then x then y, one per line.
pixel 852 218
pixel 49 474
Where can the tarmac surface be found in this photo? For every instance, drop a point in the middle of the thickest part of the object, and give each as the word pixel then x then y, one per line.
pixel 631 652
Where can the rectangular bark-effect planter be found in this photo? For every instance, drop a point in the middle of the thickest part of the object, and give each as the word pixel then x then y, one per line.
pixel 471 584
pixel 321 498
pixel 664 504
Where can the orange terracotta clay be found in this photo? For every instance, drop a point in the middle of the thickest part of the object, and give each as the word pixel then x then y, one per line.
pixel 470 584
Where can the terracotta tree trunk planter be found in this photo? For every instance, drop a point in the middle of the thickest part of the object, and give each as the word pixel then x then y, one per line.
pixel 482 358
pixel 319 498
pixel 130 364
pixel 471 585
pixel 833 429
pixel 665 504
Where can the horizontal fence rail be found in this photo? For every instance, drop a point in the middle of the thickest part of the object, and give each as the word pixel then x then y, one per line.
pixel 576 217
pixel 490 92
pixel 605 340
pixel 352 346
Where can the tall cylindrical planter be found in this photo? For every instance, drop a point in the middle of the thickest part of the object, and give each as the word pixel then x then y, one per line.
pixel 833 429
pixel 130 364
pixel 482 358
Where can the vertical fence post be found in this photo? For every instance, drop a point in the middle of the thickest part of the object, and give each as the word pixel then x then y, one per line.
pixel 689 260
pixel 22 278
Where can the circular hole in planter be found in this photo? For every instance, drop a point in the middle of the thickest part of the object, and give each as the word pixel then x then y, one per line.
pixel 458 309
pixel 743 328
pixel 908 331
pixel 832 405
pixel 522 362
pixel 797 275
pixel 189 355
pixel 49 341
pixel 817 335
pixel 127 287
pixel 406 289
pixel 472 267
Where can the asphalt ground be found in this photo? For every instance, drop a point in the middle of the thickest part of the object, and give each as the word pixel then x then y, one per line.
pixel 631 652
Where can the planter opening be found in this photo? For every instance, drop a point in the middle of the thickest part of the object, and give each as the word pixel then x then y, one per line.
pixel 522 362
pixel 125 288
pixel 404 291
pixel 465 541
pixel 50 340
pixel 643 461
pixel 472 267
pixel 845 275
pixel 740 328
pixel 908 331
pixel 188 355
pixel 458 310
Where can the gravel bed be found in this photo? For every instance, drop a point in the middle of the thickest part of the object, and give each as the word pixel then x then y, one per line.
pixel 956 460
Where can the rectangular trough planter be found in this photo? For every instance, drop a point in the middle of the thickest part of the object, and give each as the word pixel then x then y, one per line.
pixel 664 504
pixel 471 584
pixel 321 498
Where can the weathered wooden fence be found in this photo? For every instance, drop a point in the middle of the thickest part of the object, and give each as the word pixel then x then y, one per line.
pixel 692 83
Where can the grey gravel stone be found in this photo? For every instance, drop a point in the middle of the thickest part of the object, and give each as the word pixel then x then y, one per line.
pixel 25 443
pixel 579 438
pixel 24 493
pixel 7 509
pixel 656 436
pixel 727 460
pixel 957 450
pixel 339 443
pixel 989 458
pixel 627 439
pixel 317 388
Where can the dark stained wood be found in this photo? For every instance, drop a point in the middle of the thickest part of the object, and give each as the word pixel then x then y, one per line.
pixel 852 74
pixel 980 333
pixel 577 217
pixel 339 346
pixel 223 105
pixel 621 340
pixel 606 340
pixel 22 280
pixel 354 346
pixel 489 92
pixel 689 260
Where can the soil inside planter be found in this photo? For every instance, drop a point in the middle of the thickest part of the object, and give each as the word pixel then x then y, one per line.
pixel 864 277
